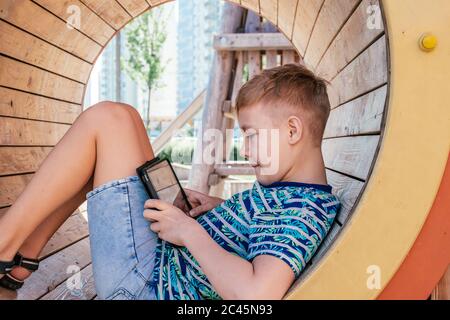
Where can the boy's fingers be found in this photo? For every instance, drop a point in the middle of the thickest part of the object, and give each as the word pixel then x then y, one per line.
pixel 197 210
pixel 156 204
pixel 152 215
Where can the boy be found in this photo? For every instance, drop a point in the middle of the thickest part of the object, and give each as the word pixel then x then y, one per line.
pixel 255 244
pixel 251 246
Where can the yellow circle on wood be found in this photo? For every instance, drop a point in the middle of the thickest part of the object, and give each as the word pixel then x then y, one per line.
pixel 428 42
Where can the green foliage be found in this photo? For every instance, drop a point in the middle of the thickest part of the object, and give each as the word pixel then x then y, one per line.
pixel 146 36
pixel 182 150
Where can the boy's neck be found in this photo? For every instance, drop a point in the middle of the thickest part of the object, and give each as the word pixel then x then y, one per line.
pixel 309 169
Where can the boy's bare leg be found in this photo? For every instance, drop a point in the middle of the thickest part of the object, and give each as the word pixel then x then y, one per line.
pixel 107 141
pixel 35 243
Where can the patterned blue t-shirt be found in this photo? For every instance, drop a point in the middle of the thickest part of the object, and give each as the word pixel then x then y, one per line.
pixel 287 220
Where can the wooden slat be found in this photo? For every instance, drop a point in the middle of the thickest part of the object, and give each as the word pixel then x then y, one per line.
pixel 359 116
pixel 238 79
pixel 331 18
pixel 254 63
pixel 134 7
pixel 73 230
pixel 272 59
pixel 52 272
pixel 18 75
pixel 20 104
pixel 307 12
pixel 110 11
pixel 269 10
pixel 48 27
pixel 30 132
pixel 23 46
pixel 350 155
pixel 442 290
pixel 347 190
pixel 21 159
pixel 251 4
pixel 179 122
pixel 91 24
pixel 237 168
pixel 354 37
pixel 86 292
pixel 11 187
pixel 286 16
pixel 367 72
pixel 251 42
pixel 288 56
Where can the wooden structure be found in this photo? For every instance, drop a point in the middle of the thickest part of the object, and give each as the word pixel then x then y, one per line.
pixel 386 145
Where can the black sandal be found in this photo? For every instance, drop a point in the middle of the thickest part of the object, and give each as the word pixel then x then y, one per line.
pixel 8 281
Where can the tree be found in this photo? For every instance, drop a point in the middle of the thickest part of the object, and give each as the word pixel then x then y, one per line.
pixel 146 36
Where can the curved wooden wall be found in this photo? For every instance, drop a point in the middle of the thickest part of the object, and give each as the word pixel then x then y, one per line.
pixel 45 66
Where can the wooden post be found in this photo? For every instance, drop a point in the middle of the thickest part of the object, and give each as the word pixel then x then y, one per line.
pixel 217 92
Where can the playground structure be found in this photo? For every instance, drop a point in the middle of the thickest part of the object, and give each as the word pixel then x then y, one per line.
pixel 386 145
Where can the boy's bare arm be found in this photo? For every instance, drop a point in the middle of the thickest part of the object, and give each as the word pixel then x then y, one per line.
pixel 233 277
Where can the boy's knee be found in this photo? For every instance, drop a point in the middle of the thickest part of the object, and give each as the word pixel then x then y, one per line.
pixel 109 112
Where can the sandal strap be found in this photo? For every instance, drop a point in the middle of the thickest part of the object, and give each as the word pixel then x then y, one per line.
pixel 7 266
pixel 11 283
pixel 27 263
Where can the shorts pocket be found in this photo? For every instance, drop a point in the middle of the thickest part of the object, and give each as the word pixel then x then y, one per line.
pixel 121 294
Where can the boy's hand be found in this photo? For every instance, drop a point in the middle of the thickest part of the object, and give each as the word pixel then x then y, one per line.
pixel 169 222
pixel 201 202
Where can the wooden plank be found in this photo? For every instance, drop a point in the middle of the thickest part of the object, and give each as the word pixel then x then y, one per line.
pixel 86 292
pixel 269 10
pixel 134 7
pixel 236 168
pixel 251 42
pixel 18 75
pixel 238 79
pixel 74 229
pixel 91 24
pixel 52 272
pixel 20 104
pixel 350 155
pixel 354 37
pixel 271 59
pixel 25 47
pixel 442 290
pixel 347 190
pixel 367 72
pixel 218 90
pixel 179 122
pixel 307 12
pixel 110 11
pixel 286 16
pixel 251 4
pixel 359 116
pixel 48 27
pixel 21 159
pixel 11 187
pixel 331 18
pixel 288 56
pixel 254 63
pixel 30 132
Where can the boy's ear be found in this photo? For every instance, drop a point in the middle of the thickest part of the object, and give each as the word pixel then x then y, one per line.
pixel 295 129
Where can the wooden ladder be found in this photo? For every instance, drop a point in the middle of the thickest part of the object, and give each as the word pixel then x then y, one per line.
pixel 247 45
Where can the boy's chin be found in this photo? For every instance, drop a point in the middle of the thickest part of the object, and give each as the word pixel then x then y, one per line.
pixel 265 179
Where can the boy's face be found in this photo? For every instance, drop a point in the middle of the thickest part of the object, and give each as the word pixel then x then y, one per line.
pixel 265 143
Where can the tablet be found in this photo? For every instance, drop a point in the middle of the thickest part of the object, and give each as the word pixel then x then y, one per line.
pixel 161 182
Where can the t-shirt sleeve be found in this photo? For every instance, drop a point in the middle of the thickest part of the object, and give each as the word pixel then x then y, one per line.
pixel 292 235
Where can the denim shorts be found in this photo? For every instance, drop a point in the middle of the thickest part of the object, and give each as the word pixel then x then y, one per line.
pixel 122 244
